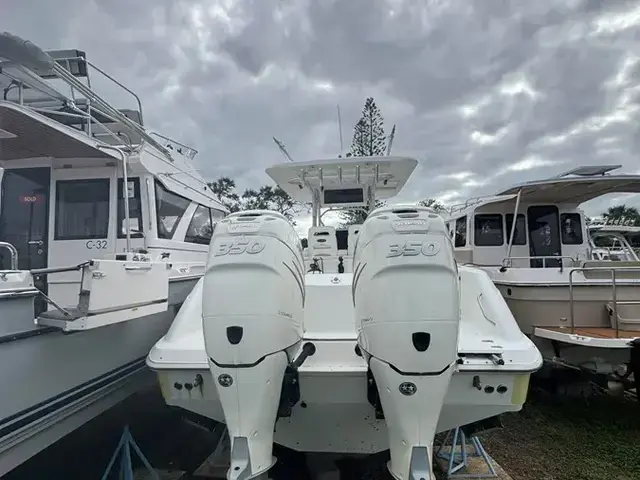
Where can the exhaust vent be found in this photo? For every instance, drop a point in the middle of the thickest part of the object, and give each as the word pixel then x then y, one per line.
pixel 421 341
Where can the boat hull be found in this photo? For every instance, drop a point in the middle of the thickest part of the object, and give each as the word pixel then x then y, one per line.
pixel 333 414
pixel 549 305
pixel 59 381
pixel 544 314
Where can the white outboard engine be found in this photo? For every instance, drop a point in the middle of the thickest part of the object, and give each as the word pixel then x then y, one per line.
pixel 407 304
pixel 252 307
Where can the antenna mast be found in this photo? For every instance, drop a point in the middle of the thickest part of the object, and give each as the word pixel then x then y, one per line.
pixel 283 150
pixel 391 137
pixel 340 130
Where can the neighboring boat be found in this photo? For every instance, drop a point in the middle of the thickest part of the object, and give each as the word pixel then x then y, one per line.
pixel 379 345
pixel 533 242
pixel 613 240
pixel 84 185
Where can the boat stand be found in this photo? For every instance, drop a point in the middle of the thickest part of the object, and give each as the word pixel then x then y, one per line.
pixel 453 467
pixel 124 447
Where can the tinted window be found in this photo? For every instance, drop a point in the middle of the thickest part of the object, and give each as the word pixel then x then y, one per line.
pixel 170 208
pixel 461 232
pixel 200 228
pixel 135 209
pixel 488 231
pixel 520 237
pixel 571 229
pixel 216 215
pixel 82 209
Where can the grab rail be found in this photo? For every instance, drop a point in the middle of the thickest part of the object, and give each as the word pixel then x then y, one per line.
pixel 72 268
pixel 14 254
pixel 26 58
pixel 506 262
pixel 614 292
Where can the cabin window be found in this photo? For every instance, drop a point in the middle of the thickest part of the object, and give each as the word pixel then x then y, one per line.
pixel 200 228
pixel 488 231
pixel 520 236
pixel 170 208
pixel 461 232
pixel 571 229
pixel 82 209
pixel 217 214
pixel 135 209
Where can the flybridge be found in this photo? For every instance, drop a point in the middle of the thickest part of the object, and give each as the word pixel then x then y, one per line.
pixel 57 84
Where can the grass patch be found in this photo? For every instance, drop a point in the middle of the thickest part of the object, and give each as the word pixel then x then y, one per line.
pixel 567 439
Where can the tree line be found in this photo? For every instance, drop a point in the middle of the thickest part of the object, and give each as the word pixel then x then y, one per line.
pixel 369 139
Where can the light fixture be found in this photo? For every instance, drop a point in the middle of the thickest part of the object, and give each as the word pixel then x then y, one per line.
pixel 5 135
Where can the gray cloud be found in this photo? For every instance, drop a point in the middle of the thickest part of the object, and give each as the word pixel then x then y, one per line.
pixel 483 93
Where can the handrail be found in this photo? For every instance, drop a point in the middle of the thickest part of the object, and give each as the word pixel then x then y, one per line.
pixel 506 262
pixel 189 152
pixel 46 271
pixel 14 254
pixel 25 56
pixel 614 292
pixel 125 186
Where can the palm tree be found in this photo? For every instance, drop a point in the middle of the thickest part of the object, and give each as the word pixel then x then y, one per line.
pixel 622 214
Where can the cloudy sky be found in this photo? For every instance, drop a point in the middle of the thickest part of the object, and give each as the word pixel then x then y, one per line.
pixel 484 93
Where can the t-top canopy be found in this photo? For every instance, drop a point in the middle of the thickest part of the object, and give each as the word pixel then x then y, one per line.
pixel 576 186
pixel 346 179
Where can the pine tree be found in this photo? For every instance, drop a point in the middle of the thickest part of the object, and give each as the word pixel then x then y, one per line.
pixel 369 140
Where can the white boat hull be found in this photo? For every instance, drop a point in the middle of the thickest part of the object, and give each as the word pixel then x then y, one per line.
pixel 340 400
pixel 56 381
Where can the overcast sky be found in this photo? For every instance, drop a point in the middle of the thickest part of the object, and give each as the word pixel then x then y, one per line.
pixel 484 93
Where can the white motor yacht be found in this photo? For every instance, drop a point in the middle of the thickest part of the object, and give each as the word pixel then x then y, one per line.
pixel 359 348
pixel 532 239
pixel 104 230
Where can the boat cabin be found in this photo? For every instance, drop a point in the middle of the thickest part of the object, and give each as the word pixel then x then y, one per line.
pixel 339 184
pixel 83 180
pixel 536 224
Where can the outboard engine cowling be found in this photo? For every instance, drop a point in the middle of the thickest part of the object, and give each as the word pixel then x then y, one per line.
pixel 252 307
pixel 407 304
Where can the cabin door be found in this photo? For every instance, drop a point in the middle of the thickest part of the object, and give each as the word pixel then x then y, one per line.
pixel 544 235
pixel 24 221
